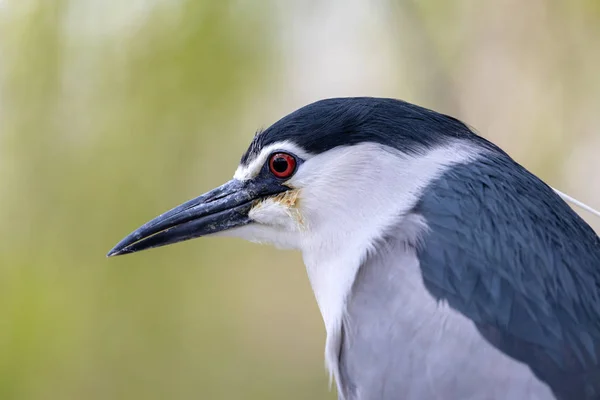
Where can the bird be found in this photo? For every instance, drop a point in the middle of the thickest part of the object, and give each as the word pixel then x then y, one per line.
pixel 442 268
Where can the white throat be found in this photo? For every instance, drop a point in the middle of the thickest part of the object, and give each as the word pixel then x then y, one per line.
pixel 384 185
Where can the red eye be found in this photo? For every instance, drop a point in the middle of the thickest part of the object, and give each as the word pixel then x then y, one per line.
pixel 282 165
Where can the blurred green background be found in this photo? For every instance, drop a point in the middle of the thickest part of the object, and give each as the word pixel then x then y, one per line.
pixel 113 111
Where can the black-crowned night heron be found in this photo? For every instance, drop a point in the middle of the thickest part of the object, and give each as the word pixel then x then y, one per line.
pixel 443 269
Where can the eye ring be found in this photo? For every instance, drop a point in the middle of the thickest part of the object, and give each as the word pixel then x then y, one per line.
pixel 282 165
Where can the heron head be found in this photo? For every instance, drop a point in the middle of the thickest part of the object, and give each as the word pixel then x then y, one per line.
pixel 338 170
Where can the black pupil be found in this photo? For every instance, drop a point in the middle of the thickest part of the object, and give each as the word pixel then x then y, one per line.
pixel 280 164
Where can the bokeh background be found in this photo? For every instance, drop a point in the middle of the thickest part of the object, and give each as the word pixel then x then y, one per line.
pixel 114 111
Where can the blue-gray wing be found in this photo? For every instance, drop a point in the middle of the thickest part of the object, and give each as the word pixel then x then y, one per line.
pixel 398 342
pixel 504 250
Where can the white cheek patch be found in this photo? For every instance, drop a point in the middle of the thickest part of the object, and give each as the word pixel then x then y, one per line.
pixel 264 234
pixel 253 167
pixel 280 212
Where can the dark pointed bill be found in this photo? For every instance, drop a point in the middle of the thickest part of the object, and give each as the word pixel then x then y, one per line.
pixel 220 209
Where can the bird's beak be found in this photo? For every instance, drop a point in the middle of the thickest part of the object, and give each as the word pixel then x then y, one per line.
pixel 220 209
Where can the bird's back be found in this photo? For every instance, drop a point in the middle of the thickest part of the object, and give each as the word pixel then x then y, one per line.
pixel 438 320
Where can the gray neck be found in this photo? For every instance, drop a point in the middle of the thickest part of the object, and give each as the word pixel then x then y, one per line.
pixel 397 340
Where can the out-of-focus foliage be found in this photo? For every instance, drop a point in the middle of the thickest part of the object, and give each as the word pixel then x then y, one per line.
pixel 114 111
pixel 105 123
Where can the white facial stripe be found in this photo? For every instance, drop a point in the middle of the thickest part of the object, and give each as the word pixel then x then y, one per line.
pixel 576 202
pixel 245 172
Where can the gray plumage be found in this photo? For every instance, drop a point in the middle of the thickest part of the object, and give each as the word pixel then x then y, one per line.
pixel 399 343
pixel 490 250
pixel 442 268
